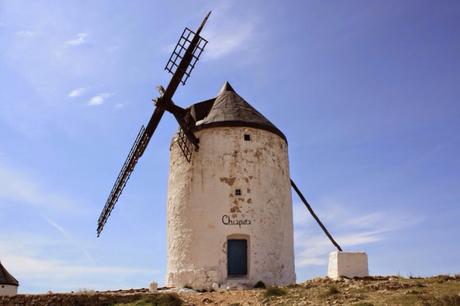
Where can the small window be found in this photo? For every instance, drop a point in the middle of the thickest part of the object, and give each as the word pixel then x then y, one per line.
pixel 238 192
pixel 247 137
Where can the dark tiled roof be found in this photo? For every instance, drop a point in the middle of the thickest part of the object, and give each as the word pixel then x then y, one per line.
pixel 6 278
pixel 229 109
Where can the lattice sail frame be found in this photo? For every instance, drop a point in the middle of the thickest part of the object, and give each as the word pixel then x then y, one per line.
pixel 179 51
pixel 185 145
pixel 135 153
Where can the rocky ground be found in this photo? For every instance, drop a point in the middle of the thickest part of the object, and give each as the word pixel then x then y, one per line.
pixel 394 290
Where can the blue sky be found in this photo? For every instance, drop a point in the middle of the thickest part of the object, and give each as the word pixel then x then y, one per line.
pixel 367 93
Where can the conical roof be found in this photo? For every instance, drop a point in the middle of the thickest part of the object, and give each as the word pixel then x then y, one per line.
pixel 6 278
pixel 230 109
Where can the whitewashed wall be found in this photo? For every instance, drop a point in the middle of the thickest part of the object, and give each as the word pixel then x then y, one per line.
pixel 348 264
pixel 201 198
pixel 8 290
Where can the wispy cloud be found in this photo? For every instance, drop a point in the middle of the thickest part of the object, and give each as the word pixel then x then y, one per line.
pixel 66 235
pixel 312 250
pixel 76 92
pixel 78 40
pixel 118 106
pixel 228 40
pixel 20 187
pixel 56 272
pixel 350 230
pixel 25 33
pixel 57 269
pixel 227 33
pixel 99 99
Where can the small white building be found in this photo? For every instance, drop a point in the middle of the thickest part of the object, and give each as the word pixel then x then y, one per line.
pixel 8 284
pixel 230 208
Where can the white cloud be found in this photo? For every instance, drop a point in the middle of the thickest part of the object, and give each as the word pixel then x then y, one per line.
pixel 78 40
pixel 230 39
pixel 20 187
pixel 99 99
pixel 359 238
pixel 226 34
pixel 118 106
pixel 301 215
pixel 25 33
pixel 96 100
pixel 64 233
pixel 349 229
pixel 42 263
pixel 76 92
pixel 312 250
pixel 57 269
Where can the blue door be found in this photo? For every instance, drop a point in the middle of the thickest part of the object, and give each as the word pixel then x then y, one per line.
pixel 237 257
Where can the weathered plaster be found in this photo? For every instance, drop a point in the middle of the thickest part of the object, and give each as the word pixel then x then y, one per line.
pixel 201 198
pixel 8 290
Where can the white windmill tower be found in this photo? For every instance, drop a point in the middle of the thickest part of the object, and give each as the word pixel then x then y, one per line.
pixel 230 207
pixel 229 194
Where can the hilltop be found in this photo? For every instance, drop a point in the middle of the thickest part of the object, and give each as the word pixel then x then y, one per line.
pixel 368 291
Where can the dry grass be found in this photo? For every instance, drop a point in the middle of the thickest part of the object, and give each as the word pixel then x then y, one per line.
pixel 332 290
pixel 275 291
pixel 158 300
pixel 442 290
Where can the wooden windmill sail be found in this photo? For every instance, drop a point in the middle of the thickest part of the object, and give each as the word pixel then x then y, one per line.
pixel 181 64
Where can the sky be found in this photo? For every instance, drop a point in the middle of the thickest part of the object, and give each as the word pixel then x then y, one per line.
pixel 367 93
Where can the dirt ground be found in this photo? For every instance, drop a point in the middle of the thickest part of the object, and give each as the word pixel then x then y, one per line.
pixel 439 290
pixel 393 290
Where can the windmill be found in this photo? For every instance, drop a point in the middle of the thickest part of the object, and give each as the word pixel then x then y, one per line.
pixel 229 194
pixel 180 64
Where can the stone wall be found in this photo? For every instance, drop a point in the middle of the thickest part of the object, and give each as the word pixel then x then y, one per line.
pixel 88 299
